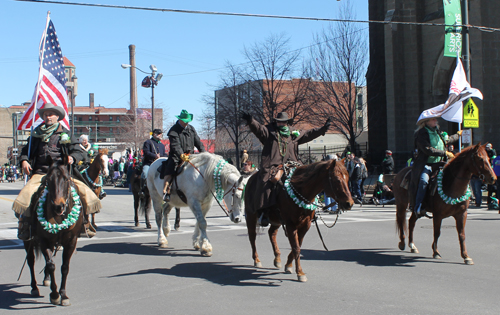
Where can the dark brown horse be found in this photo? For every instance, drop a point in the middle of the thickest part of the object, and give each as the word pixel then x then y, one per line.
pixel 57 222
pixel 456 176
pixel 92 175
pixel 143 205
pixel 306 183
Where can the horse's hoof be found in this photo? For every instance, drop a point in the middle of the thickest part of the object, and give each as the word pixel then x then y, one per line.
pixel 288 270
pixel 176 227
pixel 437 256
pixel 163 245
pixel 414 249
pixel 206 254
pixel 277 264
pixel 401 245
pixel 35 293
pixel 468 261
pixel 136 223
pixel 148 226
pixel 56 301
pixel 65 302
pixel 302 278
pixel 257 264
pixel 46 283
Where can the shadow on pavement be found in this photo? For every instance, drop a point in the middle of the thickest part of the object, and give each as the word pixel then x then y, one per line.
pixel 382 257
pixel 14 300
pixel 219 273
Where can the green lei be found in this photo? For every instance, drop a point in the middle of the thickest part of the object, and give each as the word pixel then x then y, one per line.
pixel 69 221
pixel 290 190
pixel 45 132
pixel 448 200
pixel 217 179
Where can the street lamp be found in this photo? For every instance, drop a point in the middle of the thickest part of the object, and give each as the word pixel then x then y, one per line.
pixel 150 81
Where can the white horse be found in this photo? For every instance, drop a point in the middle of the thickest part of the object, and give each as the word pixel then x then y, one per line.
pixel 211 174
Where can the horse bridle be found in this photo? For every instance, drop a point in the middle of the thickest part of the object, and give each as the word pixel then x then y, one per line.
pixel 233 189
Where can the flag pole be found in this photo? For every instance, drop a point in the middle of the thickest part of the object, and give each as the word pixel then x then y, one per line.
pixel 35 109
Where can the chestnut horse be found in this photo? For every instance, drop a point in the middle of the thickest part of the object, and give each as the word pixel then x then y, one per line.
pixel 306 183
pixel 57 222
pixel 92 176
pixel 456 176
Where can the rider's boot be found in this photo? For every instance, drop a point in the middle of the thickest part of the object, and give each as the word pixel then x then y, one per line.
pixel 102 194
pixel 166 188
pixel 419 210
pixel 24 229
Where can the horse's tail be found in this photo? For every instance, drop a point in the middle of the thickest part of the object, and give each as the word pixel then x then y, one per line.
pixel 401 198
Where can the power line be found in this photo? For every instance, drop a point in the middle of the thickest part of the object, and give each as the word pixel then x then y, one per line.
pixel 481 28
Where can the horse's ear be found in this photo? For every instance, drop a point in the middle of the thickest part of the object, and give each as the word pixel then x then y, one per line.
pixel 477 146
pixel 343 161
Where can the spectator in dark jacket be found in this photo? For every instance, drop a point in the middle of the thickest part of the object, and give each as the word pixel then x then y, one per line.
pixel 388 163
pixel 356 178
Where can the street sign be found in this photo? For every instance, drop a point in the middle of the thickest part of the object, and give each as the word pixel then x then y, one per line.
pixel 15 152
pixel 467 136
pixel 471 115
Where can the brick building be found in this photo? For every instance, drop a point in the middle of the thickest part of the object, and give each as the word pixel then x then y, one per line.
pixel 408 73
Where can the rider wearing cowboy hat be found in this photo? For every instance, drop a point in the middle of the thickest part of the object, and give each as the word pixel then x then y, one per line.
pixel 431 148
pixel 183 138
pixel 49 138
pixel 280 146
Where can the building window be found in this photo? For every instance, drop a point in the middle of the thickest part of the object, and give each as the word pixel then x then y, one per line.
pixel 90 118
pixel 110 118
pixel 97 118
pixel 111 130
pixel 79 118
pixel 117 119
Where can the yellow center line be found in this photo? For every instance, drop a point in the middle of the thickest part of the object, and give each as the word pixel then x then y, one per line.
pixel 7 199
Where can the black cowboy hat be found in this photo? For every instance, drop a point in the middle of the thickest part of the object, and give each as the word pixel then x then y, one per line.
pixel 283 116
pixel 157 132
pixel 61 113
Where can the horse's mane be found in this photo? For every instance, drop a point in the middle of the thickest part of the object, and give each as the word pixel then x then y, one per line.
pixel 461 157
pixel 211 160
pixel 302 174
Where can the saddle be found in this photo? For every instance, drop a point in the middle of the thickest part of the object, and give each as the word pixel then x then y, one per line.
pixel 276 173
pixel 432 188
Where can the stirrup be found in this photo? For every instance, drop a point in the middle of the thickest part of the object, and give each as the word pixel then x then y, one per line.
pixel 166 197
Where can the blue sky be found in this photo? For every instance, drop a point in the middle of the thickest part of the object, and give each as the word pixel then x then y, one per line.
pixel 189 49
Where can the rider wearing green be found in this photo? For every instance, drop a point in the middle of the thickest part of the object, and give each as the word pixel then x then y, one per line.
pixel 430 146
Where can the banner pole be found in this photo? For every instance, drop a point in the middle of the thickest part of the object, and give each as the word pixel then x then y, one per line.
pixel 35 109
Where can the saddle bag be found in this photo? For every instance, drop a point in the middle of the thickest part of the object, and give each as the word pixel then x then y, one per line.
pixel 276 173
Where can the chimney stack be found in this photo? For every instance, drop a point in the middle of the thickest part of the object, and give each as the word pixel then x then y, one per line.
pixel 133 86
pixel 91 100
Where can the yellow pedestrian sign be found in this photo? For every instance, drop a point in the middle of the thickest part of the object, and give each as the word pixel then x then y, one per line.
pixel 471 115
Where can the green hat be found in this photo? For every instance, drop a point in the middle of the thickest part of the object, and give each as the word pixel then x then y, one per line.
pixel 185 116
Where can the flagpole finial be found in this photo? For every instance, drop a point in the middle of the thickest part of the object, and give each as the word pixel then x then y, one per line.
pixel 48 13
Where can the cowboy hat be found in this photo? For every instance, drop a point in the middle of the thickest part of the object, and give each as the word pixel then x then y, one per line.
pixel 57 109
pixel 157 132
pixel 185 116
pixel 283 116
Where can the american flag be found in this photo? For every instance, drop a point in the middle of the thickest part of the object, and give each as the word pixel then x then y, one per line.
pixel 52 80
pixel 144 114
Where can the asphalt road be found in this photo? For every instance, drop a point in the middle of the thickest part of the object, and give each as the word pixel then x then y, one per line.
pixel 122 271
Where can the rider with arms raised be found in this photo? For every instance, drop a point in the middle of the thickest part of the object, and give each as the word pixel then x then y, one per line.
pixel 280 146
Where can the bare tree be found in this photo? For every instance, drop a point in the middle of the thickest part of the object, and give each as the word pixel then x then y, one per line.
pixel 132 132
pixel 272 68
pixel 339 63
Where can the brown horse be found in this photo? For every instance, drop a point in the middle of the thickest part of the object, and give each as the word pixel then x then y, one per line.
pixel 92 175
pixel 57 222
pixel 143 205
pixel 306 183
pixel 456 176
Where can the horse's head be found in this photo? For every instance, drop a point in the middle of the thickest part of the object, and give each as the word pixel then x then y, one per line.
pixel 104 160
pixel 233 196
pixel 58 185
pixel 338 184
pixel 481 164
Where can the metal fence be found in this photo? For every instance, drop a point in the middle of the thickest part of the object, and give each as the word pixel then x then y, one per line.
pixel 307 155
